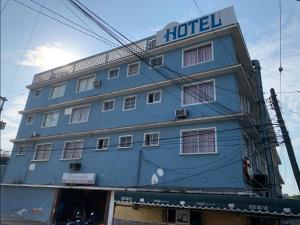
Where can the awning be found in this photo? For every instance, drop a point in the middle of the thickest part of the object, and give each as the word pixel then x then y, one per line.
pixel 231 203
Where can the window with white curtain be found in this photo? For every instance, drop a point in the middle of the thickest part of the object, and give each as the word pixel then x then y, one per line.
pixel 198 141
pixel 80 114
pixel 50 119
pixel 85 83
pixel 42 152
pixel 57 90
pixel 198 93
pixel 72 150
pixel 197 55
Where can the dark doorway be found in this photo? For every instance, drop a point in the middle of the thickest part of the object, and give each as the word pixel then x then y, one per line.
pixel 84 202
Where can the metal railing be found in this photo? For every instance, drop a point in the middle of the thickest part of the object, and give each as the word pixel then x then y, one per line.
pixel 93 61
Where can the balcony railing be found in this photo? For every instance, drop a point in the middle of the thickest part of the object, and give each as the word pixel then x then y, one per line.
pixel 94 61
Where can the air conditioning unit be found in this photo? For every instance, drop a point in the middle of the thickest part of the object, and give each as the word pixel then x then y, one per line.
pixel 34 135
pixel 181 113
pixel 74 166
pixel 97 83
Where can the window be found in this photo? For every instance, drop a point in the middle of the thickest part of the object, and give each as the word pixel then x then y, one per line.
pixel 42 152
pixel 154 97
pixel 80 114
pixel 57 90
pixel 50 119
pixel 197 55
pixel 125 141
pixel 37 93
pixel 102 143
pixel 198 93
pixel 157 61
pixel 29 119
pixel 198 141
pixel 178 216
pixel 113 73
pixel 133 69
pixel 182 216
pixel 151 139
pixel 129 103
pixel 72 150
pixel 86 83
pixel 21 150
pixel 108 105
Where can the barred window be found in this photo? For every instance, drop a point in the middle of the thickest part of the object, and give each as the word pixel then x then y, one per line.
pixel 125 141
pixel 198 141
pixel 108 105
pixel 129 103
pixel 113 73
pixel 156 61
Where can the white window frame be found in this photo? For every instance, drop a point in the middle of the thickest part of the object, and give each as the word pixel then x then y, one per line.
pixel 102 138
pixel 76 107
pixel 56 85
pixel 65 143
pixel 129 97
pixel 85 77
pixel 198 46
pixel 119 144
pixel 115 68
pixel 31 115
pixel 34 92
pixel 18 150
pixel 144 145
pixel 182 211
pixel 44 117
pixel 195 83
pixel 109 100
pixel 162 61
pixel 41 160
pixel 131 75
pixel 152 92
pixel 199 153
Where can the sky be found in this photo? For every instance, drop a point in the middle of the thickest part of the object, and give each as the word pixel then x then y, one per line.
pixel 31 43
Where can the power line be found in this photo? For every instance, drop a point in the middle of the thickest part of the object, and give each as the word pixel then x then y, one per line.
pixel 4 6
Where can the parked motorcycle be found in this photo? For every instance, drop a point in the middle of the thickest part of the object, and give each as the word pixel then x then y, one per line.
pixel 80 220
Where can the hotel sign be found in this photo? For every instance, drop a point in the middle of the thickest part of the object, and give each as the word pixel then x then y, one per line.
pixel 79 178
pixel 176 31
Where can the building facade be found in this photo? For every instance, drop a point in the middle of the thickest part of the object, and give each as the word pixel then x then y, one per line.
pixel 175 112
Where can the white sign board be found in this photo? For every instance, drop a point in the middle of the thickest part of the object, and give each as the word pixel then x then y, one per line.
pixel 176 31
pixel 79 178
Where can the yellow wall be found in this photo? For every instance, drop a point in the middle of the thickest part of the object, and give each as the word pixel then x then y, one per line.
pixel 140 214
pixel 216 218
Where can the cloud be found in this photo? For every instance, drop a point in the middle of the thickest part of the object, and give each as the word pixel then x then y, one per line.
pixel 266 50
pixel 48 56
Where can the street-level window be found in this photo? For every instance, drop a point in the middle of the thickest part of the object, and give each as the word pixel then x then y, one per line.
pixel 57 90
pixel 108 105
pixel 133 69
pixel 179 216
pixel 80 114
pixel 198 141
pixel 182 216
pixel 113 73
pixel 156 61
pixel 72 150
pixel 85 83
pixel 37 93
pixel 151 139
pixel 202 92
pixel 29 119
pixel 21 150
pixel 102 143
pixel 50 119
pixel 129 103
pixel 42 152
pixel 197 55
pixel 154 97
pixel 125 141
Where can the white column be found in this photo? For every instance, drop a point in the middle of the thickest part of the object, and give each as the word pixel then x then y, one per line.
pixel 111 208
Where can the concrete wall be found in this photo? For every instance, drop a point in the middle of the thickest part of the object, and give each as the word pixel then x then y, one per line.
pixel 217 218
pixel 29 203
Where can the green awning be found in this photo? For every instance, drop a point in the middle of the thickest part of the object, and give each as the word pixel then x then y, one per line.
pixel 232 203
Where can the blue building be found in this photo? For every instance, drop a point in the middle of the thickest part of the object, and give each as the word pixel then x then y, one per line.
pixel 180 111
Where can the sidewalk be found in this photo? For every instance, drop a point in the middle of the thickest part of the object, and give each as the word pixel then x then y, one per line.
pixel 9 220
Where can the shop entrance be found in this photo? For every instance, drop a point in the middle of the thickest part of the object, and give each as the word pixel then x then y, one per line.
pixel 83 202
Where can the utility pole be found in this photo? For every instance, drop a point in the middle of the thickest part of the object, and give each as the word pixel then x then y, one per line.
pixel 2 123
pixel 286 138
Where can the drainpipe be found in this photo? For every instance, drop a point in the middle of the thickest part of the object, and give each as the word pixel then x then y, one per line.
pixel 263 127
